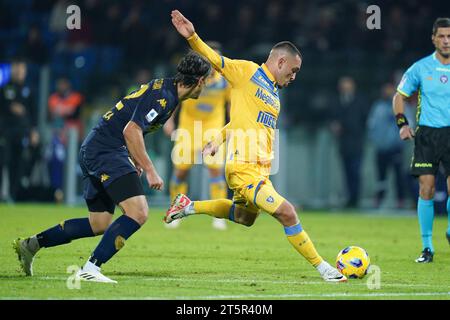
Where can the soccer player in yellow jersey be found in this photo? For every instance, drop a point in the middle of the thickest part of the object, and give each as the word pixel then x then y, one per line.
pixel 255 106
pixel 199 118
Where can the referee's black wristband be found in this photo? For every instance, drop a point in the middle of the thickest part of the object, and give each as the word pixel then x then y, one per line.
pixel 401 120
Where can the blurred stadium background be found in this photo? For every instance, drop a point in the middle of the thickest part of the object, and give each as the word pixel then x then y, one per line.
pixel 326 145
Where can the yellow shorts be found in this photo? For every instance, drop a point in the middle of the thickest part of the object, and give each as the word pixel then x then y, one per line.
pixel 252 187
pixel 189 144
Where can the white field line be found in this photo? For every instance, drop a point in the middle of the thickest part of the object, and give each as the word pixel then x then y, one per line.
pixel 258 296
pixel 310 295
pixel 180 279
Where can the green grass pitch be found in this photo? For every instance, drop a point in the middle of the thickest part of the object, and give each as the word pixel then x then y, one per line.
pixel 196 261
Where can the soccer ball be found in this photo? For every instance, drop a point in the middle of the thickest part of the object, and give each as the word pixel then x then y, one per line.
pixel 353 262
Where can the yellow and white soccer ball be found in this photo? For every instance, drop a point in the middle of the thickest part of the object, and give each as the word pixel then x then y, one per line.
pixel 353 262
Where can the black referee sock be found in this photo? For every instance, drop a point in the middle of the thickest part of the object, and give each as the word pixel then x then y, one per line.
pixel 65 232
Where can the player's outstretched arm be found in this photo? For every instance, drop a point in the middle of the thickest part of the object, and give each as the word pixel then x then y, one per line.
pixel 398 106
pixel 235 71
pixel 186 29
pixel 183 25
pixel 136 147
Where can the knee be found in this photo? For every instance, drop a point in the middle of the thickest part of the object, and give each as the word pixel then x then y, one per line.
pixel 142 213
pixel 426 191
pixel 137 211
pixel 287 214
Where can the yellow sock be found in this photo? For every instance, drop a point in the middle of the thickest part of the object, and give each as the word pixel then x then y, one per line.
pixel 219 208
pixel 177 187
pixel 218 188
pixel 303 244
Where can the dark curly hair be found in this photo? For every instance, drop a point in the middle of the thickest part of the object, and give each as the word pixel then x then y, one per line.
pixel 440 23
pixel 191 68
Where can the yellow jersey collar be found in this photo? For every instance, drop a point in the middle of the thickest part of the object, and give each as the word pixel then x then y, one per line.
pixel 266 71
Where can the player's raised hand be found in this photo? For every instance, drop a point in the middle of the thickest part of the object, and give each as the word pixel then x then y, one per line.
pixel 183 25
pixel 406 133
pixel 154 180
pixel 210 149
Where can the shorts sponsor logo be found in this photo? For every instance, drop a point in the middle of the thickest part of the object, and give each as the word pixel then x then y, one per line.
pixel 270 199
pixel 423 165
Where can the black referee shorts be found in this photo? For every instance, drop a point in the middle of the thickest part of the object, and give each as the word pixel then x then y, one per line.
pixel 431 147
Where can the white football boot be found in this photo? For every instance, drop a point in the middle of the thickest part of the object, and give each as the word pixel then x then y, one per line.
pixel 329 273
pixel 25 255
pixel 90 272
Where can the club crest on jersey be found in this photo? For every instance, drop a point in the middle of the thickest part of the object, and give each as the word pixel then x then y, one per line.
pixel 444 78
pixel 157 84
pixel 104 177
pixel 151 115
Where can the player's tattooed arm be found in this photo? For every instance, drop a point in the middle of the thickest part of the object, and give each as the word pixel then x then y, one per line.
pixel 136 147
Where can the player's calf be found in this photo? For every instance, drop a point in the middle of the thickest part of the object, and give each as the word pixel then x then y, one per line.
pixel 300 240
pixel 242 215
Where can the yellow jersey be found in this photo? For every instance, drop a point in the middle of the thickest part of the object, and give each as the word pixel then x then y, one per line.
pixel 210 106
pixel 255 105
